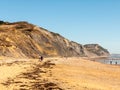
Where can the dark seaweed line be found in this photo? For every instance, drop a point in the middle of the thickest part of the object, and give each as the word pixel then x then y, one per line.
pixel 34 80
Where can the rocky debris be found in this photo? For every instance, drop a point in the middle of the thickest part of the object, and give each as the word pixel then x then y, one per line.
pixel 22 39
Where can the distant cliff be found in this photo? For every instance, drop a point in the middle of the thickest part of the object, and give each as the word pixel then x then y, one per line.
pixel 22 39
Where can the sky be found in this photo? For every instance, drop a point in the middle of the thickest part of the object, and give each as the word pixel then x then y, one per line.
pixel 82 21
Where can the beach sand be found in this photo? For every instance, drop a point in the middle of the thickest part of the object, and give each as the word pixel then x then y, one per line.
pixel 58 74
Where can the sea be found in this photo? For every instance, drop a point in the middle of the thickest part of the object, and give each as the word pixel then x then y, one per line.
pixel 112 59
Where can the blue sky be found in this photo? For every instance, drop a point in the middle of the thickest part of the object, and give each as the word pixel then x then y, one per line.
pixel 83 21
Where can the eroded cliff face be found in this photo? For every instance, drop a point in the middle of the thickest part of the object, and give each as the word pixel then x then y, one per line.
pixel 95 50
pixel 21 39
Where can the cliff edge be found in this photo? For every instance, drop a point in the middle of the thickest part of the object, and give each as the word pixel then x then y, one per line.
pixel 22 39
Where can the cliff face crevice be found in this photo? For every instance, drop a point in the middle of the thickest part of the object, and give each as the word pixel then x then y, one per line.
pixel 21 39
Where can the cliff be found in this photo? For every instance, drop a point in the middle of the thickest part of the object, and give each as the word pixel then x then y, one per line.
pixel 22 39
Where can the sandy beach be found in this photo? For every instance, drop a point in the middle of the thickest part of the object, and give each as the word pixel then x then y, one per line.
pixel 58 74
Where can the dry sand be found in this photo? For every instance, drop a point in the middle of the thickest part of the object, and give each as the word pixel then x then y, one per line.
pixel 58 74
